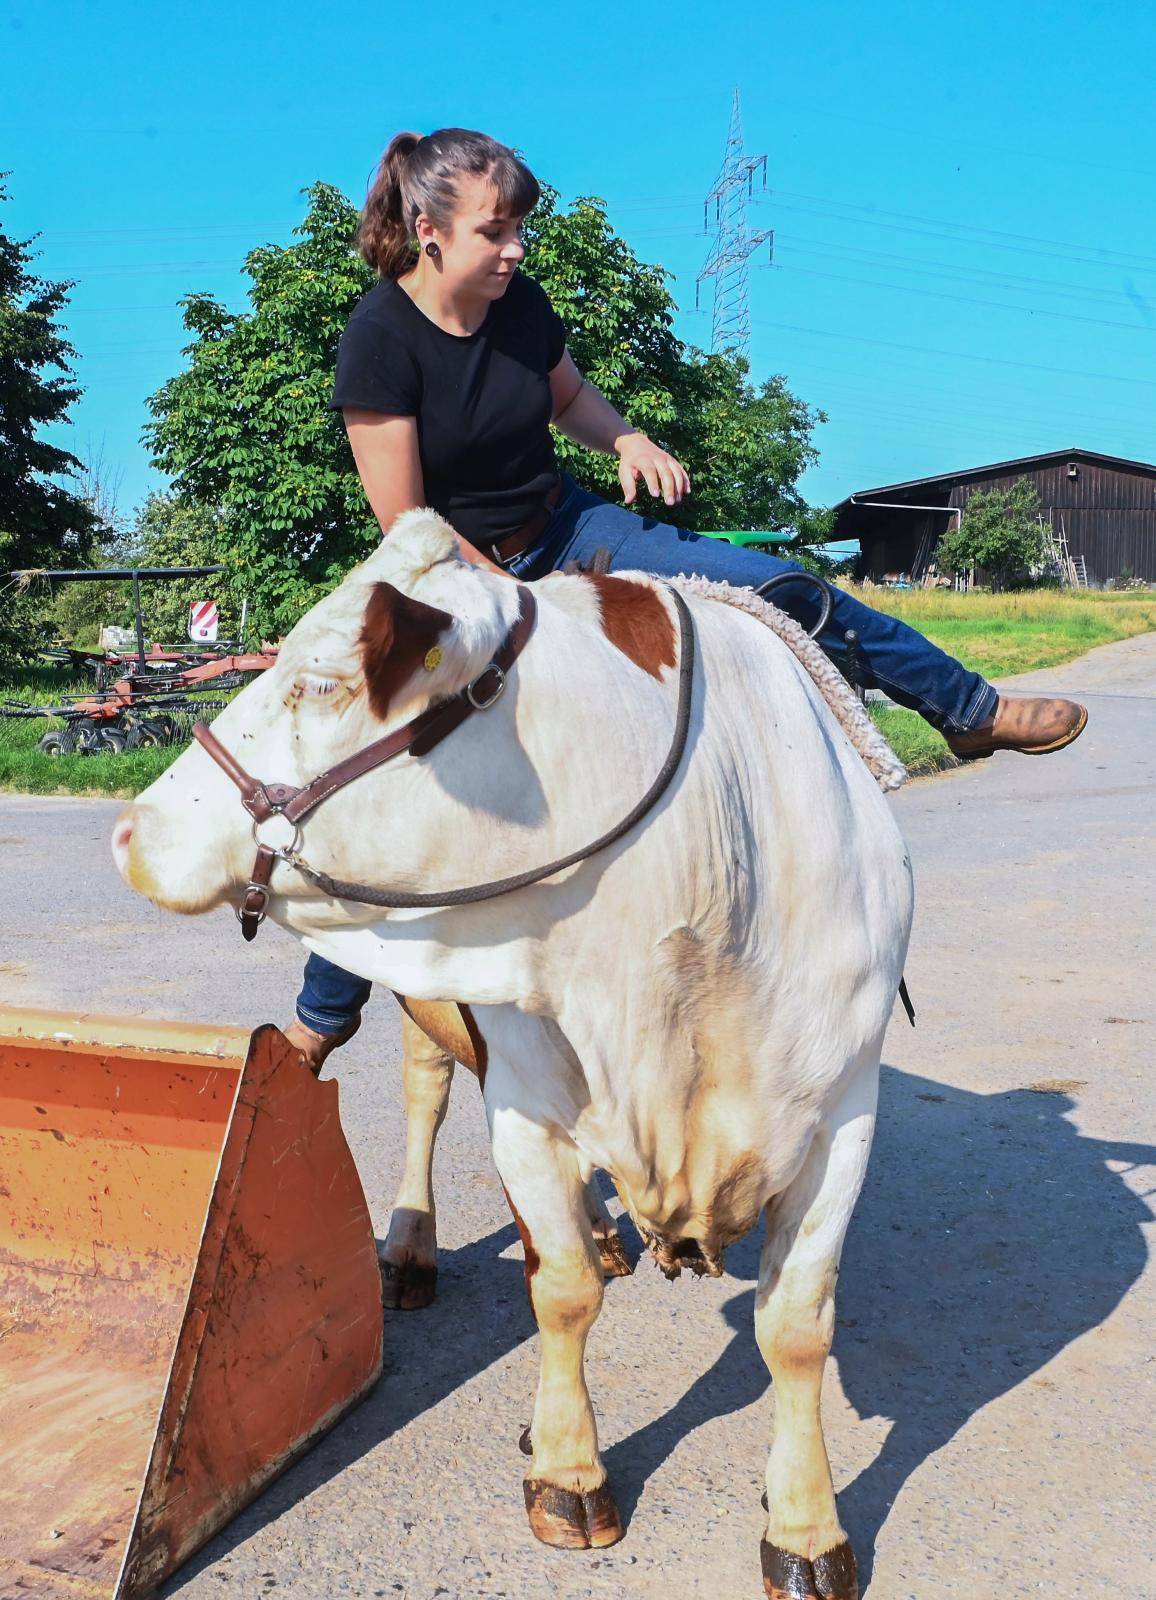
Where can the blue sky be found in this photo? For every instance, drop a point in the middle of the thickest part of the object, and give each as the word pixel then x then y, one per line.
pixel 965 260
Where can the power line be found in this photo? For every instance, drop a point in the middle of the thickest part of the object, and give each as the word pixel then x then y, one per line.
pixel 950 271
pixel 955 355
pixel 993 238
pixel 972 300
pixel 871 215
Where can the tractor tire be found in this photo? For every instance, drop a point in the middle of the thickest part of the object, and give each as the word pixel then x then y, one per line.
pixel 97 738
pixel 147 733
pixel 50 743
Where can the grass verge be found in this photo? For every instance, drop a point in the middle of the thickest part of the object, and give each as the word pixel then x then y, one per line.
pixel 1001 634
pixel 28 770
pixel 996 634
pixel 917 744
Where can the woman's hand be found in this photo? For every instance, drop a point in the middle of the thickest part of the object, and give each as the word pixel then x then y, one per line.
pixel 640 457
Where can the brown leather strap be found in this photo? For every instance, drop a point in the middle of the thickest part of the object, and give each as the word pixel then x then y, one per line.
pixel 514 544
pixel 421 735
pixel 366 894
pixel 428 730
pixel 255 903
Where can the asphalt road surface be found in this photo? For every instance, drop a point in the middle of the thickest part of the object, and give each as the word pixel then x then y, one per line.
pixel 989 1405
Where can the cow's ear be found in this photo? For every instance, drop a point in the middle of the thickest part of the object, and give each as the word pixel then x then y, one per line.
pixel 399 636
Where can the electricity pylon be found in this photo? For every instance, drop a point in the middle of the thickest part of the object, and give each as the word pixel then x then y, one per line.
pixel 734 242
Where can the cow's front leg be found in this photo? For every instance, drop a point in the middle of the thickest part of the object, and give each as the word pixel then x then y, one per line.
pixel 805 1552
pixel 616 1262
pixel 568 1500
pixel 408 1257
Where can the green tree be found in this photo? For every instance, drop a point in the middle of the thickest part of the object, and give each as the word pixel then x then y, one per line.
pixel 42 524
pixel 1000 531
pixel 175 532
pixel 244 428
pixel 745 447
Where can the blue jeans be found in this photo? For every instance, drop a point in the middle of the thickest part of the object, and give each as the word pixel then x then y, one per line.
pixel 891 656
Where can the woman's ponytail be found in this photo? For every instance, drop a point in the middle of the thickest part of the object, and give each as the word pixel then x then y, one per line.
pixel 419 175
pixel 383 238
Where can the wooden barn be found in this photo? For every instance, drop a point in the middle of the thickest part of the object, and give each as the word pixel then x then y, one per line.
pixel 1102 510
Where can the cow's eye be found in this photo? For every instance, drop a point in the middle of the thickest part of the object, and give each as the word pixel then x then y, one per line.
pixel 317 686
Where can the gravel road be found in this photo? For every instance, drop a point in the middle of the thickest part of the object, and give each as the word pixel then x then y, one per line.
pixel 989 1405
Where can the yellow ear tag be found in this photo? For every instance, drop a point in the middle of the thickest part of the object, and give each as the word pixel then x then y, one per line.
pixel 433 658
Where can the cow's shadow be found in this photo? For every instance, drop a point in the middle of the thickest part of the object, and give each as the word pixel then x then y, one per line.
pixel 990 1234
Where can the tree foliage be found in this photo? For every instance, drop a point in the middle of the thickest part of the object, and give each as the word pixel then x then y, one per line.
pixel 745 447
pixel 42 524
pixel 1000 532
pixel 175 532
pixel 244 428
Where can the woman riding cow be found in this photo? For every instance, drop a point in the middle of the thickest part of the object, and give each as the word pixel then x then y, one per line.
pixel 452 370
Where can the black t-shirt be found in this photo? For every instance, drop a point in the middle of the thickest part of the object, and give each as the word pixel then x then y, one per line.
pixel 482 400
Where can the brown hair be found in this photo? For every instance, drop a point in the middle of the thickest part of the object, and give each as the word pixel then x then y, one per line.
pixel 419 175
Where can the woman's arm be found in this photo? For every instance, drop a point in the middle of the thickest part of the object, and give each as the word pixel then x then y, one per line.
pixel 389 464
pixel 587 417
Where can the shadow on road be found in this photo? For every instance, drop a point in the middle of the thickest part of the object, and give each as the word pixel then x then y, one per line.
pixel 990 1234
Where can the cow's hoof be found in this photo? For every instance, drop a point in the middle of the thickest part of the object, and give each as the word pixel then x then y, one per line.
pixel 406 1285
pixel 569 1520
pixel 615 1261
pixel 831 1576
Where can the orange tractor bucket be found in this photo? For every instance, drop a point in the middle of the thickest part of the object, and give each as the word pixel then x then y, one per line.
pixel 189 1290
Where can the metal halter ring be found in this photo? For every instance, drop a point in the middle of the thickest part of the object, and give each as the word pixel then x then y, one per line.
pixel 284 851
pixel 478 703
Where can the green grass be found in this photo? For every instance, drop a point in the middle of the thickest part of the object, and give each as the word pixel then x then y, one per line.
pixel 917 744
pixel 1001 634
pixel 27 770
pixel 993 634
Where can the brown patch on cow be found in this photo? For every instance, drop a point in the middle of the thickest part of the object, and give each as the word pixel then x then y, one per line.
pixel 636 621
pixel 533 1259
pixel 397 634
pixel 481 1055
pixel 452 1027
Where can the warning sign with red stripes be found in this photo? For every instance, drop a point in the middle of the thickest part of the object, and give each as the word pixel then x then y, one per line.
pixel 203 621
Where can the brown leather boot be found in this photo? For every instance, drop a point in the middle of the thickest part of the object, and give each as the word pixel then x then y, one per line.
pixel 1033 727
pixel 316 1046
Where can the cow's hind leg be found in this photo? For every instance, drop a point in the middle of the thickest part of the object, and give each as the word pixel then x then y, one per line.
pixel 408 1256
pixel 567 1497
pixel 616 1262
pixel 805 1553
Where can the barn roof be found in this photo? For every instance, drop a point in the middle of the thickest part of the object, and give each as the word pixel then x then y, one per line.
pixel 999 469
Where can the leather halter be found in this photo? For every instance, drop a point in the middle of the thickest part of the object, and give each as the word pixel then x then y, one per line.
pixel 427 730
pixel 265 800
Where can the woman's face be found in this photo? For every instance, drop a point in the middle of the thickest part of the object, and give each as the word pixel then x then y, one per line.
pixel 482 249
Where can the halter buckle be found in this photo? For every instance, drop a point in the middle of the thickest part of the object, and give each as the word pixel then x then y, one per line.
pixel 472 695
pixel 254 915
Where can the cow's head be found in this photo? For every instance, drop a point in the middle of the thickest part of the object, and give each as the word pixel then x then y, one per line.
pixel 412 624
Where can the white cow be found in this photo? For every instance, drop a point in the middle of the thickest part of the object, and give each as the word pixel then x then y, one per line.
pixel 698 1010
